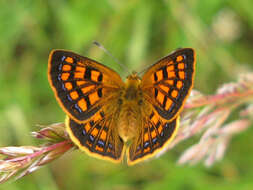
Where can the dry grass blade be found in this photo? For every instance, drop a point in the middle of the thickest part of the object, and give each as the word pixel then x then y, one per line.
pixel 203 115
pixel 20 161
pixel 209 117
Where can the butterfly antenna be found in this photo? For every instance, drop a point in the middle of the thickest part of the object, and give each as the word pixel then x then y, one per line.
pixel 144 70
pixel 108 53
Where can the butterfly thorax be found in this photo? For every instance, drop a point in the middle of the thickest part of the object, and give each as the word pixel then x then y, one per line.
pixel 130 107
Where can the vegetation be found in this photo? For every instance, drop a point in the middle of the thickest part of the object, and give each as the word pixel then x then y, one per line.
pixel 138 33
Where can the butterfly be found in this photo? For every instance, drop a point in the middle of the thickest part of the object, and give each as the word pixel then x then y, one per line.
pixel 111 119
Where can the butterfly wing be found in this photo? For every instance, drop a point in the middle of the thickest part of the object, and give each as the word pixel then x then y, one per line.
pixel 165 87
pixel 168 82
pixel 97 137
pixel 157 134
pixel 81 85
pixel 85 89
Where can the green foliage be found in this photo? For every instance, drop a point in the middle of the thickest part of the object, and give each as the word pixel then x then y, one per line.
pixel 138 33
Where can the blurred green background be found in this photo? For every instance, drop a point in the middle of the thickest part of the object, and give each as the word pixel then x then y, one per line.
pixel 138 33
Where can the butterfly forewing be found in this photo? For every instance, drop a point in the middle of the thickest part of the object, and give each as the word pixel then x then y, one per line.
pixel 81 85
pixel 168 82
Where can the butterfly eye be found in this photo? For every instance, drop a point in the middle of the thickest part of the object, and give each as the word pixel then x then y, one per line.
pixel 120 101
pixel 140 102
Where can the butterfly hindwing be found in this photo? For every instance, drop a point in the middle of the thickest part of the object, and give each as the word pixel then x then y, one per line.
pixel 81 85
pixel 168 82
pixel 156 135
pixel 96 137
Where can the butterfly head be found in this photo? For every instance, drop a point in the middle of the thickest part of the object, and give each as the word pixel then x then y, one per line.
pixel 133 78
pixel 132 86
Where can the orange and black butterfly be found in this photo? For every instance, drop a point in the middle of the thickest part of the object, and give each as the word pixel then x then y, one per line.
pixel 109 118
